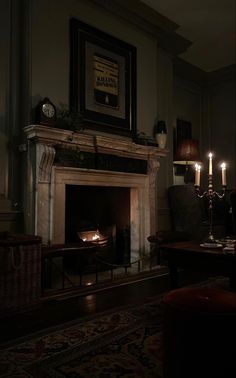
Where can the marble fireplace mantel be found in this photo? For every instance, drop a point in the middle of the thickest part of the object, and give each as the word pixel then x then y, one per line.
pixel 46 181
pixel 88 142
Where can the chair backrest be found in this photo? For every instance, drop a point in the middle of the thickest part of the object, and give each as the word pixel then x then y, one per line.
pixel 188 212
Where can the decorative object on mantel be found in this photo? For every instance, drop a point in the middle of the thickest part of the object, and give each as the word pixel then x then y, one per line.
pixel 161 134
pixel 144 139
pixel 45 113
pixel 187 154
pixel 210 193
pixel 69 119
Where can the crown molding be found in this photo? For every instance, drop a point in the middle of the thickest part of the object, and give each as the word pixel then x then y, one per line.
pixel 190 72
pixel 223 74
pixel 152 22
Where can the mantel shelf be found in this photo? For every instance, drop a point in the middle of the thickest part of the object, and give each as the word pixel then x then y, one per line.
pixel 93 143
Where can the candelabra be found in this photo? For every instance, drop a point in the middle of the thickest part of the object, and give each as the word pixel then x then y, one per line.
pixel 210 193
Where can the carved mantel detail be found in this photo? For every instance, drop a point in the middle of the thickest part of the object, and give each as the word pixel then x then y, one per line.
pixel 45 157
pixel 153 168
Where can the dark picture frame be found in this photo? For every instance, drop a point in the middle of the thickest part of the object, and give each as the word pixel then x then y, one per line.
pixel 183 131
pixel 102 80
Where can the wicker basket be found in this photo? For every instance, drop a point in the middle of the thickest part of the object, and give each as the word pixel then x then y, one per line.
pixel 20 272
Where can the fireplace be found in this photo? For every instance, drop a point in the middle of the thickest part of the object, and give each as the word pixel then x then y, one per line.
pixel 108 182
pixel 135 215
pixel 99 214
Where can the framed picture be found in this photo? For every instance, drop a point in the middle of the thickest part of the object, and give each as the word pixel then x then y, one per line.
pixel 183 131
pixel 102 79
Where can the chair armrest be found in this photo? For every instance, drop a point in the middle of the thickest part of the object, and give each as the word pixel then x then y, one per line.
pixel 168 236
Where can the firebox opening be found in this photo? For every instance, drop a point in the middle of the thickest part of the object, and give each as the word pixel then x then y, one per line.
pixel 101 214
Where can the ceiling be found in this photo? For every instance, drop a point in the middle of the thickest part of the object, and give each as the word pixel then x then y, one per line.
pixel 208 24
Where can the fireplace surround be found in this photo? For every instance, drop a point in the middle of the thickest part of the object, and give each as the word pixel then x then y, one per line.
pixel 56 158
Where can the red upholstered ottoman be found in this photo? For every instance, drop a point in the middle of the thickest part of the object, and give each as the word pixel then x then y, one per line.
pixel 199 335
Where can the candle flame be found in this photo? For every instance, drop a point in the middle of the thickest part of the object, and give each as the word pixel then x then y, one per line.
pixel 223 166
pixel 210 155
pixel 89 283
pixel 197 167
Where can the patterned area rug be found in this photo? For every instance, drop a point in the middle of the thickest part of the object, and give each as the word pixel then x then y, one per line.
pixel 123 343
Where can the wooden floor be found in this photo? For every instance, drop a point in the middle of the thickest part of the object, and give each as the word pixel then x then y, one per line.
pixel 57 310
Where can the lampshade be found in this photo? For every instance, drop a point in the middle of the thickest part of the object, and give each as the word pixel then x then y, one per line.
pixel 187 152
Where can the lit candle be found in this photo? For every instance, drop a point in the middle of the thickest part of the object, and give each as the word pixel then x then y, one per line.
pixel 197 174
pixel 210 163
pixel 223 167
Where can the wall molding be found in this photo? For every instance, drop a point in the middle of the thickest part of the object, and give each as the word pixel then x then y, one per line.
pixel 144 17
pixel 224 74
pixel 190 72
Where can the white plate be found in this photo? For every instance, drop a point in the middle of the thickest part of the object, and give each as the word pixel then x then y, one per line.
pixel 229 249
pixel 211 245
pixel 226 241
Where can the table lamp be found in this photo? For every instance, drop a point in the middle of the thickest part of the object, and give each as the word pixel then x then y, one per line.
pixel 187 153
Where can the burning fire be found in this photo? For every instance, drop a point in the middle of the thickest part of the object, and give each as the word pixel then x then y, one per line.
pixel 93 236
pixel 96 237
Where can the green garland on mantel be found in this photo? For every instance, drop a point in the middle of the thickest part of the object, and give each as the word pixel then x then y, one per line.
pixel 69 119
